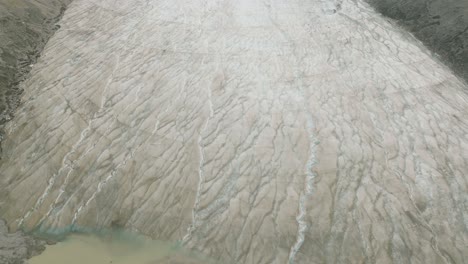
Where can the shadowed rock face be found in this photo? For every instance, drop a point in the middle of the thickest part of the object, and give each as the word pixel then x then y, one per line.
pixel 25 27
pixel 253 131
pixel 441 24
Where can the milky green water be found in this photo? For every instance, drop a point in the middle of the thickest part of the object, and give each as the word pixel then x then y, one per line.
pixel 89 249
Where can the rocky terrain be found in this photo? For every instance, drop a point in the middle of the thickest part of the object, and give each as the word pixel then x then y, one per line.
pixel 25 27
pixel 252 131
pixel 15 248
pixel 441 24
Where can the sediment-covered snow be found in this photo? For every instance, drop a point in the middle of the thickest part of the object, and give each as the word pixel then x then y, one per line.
pixel 253 131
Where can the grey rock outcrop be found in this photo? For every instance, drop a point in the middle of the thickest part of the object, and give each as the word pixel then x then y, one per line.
pixel 16 248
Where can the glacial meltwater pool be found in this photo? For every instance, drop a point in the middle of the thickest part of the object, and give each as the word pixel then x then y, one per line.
pixel 91 249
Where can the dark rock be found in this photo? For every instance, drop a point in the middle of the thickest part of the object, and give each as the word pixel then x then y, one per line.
pixel 25 27
pixel 442 25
